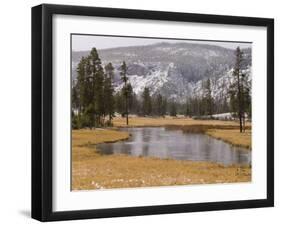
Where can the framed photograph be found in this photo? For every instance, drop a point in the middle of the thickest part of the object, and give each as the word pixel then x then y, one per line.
pixel 146 112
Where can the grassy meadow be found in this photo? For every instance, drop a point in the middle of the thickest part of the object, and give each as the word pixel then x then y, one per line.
pixel 91 170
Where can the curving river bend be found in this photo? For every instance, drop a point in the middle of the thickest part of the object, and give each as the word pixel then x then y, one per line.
pixel 174 144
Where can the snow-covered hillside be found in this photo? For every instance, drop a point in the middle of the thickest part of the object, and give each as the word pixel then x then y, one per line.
pixel 220 85
pixel 174 70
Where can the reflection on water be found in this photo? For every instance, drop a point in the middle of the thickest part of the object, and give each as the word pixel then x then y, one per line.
pixel 174 144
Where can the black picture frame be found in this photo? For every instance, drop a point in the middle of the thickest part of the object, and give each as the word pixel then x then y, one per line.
pixel 42 111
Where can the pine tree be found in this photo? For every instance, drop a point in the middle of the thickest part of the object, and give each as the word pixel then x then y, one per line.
pixel 225 105
pixel 109 70
pixel 74 121
pixel 109 91
pixel 146 104
pixel 173 109
pixel 135 105
pixel 80 95
pixel 208 99
pixel 92 92
pixel 247 97
pixel 119 103
pixel 158 104
pixel 129 94
pixel 239 91
pixel 187 108
pixel 95 90
pixel 164 107
pixel 123 74
pixel 80 85
pixel 75 99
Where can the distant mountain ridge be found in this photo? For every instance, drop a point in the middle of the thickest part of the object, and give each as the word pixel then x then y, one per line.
pixel 175 70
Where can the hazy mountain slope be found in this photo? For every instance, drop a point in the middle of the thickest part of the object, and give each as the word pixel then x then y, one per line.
pixel 174 70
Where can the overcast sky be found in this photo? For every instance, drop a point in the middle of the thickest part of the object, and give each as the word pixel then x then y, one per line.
pixel 87 42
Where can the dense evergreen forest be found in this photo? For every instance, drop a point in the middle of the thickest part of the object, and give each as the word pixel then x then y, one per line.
pixel 95 103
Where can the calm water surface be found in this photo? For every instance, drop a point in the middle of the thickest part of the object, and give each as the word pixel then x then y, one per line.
pixel 174 144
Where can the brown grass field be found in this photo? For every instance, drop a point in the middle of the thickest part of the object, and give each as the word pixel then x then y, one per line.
pixel 159 121
pixel 233 136
pixel 90 170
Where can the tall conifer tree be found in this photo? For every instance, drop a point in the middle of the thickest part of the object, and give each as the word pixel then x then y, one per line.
pixel 146 105
pixel 123 74
pixel 109 91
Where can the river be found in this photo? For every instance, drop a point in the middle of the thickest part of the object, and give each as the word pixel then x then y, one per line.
pixel 174 144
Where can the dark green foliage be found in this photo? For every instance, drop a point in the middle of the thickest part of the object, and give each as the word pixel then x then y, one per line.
pixel 109 92
pixel 92 93
pixel 123 72
pixel 135 105
pixel 202 106
pixel 109 70
pixel 208 99
pixel 222 105
pixel 80 86
pixel 158 105
pixel 164 107
pixel 125 90
pixel 187 111
pixel 119 103
pixel 90 117
pixel 74 121
pixel 239 92
pixel 173 109
pixel 128 92
pixel 75 98
pixel 146 102
pixel 94 101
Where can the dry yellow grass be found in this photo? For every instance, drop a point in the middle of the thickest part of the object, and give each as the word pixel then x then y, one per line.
pixel 96 136
pixel 83 141
pixel 91 170
pixel 120 171
pixel 232 136
pixel 150 121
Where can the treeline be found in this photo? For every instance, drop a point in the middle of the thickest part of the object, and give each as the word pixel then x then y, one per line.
pixel 237 99
pixel 92 93
pixel 94 102
pixel 144 105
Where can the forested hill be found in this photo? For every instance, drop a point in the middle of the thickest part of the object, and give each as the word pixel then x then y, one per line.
pixel 173 69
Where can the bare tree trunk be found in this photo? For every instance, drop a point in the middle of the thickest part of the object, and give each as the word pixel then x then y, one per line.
pixel 240 122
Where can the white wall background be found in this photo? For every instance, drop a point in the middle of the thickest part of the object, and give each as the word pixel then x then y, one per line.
pixel 15 113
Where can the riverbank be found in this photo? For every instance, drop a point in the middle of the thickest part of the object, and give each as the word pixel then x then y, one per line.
pixel 227 131
pixel 90 170
pixel 233 137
